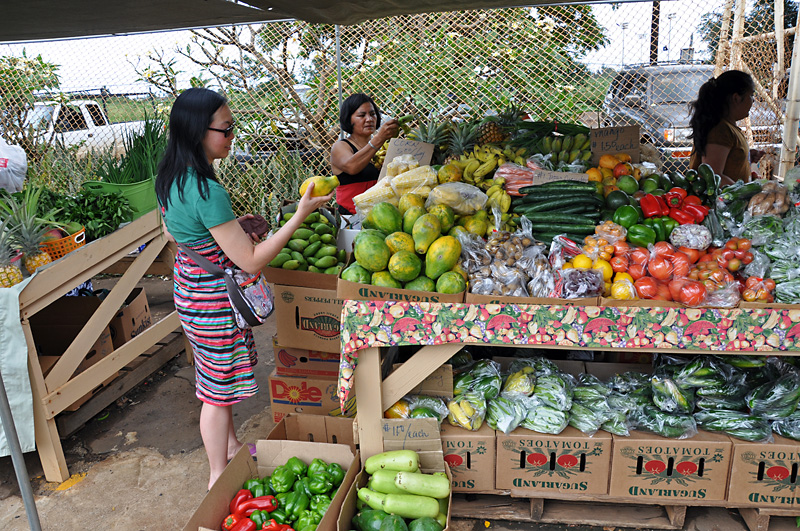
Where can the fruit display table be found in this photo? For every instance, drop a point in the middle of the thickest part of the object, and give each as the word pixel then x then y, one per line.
pixel 443 329
pixel 61 387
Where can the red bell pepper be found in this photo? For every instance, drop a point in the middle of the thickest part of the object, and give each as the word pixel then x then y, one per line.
pixel 262 503
pixel 673 199
pixel 692 200
pixel 699 212
pixel 679 191
pixel 240 497
pixel 663 204
pixel 684 218
pixel 650 206
pixel 272 525
pixel 245 524
pixel 230 521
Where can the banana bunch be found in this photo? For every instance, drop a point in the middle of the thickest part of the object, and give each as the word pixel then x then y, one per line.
pixel 484 160
pixel 566 148
pixel 497 195
pixel 380 155
pixel 467 411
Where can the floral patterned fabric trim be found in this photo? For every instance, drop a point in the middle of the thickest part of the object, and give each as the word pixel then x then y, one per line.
pixel 366 324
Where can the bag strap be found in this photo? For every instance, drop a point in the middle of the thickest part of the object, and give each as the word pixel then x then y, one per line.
pixel 234 290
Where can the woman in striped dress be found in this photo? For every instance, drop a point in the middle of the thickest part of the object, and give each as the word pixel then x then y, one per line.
pixel 198 214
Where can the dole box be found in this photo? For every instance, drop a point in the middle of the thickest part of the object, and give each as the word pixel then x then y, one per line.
pixel 309 395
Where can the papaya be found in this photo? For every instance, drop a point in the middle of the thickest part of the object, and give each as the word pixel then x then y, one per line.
pixel 442 255
pixel 411 216
pixel 476 225
pixel 356 273
pixel 400 241
pixel 455 231
pixel 426 523
pixel 446 216
pixel 322 185
pixel 451 283
pixel 405 266
pixel 372 253
pixel 409 200
pixel 449 173
pixel 421 283
pixel 426 230
pixel 368 232
pixel 385 280
pixel 460 270
pixel 384 217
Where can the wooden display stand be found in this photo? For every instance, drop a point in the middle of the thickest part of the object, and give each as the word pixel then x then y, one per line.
pixel 60 389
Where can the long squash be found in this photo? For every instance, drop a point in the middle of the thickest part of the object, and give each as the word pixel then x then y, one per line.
pixel 399 460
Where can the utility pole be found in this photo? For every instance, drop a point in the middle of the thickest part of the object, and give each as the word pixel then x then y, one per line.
pixel 670 17
pixel 654 31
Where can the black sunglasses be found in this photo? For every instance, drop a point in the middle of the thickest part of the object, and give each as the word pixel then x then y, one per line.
pixel 228 131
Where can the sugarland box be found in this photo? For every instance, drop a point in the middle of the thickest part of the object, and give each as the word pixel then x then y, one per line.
pixel 645 466
pixel 765 474
pixel 308 318
pixel 471 456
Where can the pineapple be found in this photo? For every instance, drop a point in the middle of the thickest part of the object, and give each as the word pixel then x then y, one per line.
pixel 9 272
pixel 433 133
pixel 498 129
pixel 26 229
pixel 461 140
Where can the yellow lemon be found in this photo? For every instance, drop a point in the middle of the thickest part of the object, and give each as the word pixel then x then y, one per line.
pixel 582 262
pixel 605 267
pixel 622 276
pixel 568 265
pixel 623 291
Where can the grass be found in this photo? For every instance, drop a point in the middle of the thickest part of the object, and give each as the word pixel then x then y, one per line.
pixel 122 109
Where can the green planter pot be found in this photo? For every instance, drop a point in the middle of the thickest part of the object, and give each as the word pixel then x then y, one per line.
pixel 142 195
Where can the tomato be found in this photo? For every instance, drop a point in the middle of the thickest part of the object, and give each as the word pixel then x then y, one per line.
pixel 752 281
pixel 704 274
pixel 640 255
pixel 680 264
pixel 675 288
pixel 726 255
pixel 710 285
pixel 663 291
pixel 732 244
pixel 660 267
pixel 646 287
pixel 664 249
pixel 734 264
pixel 705 258
pixel 749 295
pixel 744 244
pixel 694 274
pixel 769 284
pixel 717 276
pixel 747 258
pixel 692 293
pixel 636 271
pixel 619 264
pixel 693 254
pixel 621 248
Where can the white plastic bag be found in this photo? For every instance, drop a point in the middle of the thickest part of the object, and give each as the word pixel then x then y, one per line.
pixel 13 166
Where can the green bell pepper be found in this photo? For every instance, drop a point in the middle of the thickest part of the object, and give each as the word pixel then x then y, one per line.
pixel 320 504
pixel 279 515
pixel 658 227
pixel 296 465
pixel 626 215
pixel 317 465
pixel 641 235
pixel 296 503
pixel 260 517
pixel 301 485
pixel 307 518
pixel 255 486
pixel 282 479
pixel 337 473
pixel 310 527
pixel 320 483
pixel 669 225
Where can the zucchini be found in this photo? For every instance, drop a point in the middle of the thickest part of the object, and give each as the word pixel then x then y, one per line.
pixel 557 204
pixel 586 228
pixel 559 185
pixel 383 481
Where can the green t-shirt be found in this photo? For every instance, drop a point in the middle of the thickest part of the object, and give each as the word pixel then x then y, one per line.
pixel 188 220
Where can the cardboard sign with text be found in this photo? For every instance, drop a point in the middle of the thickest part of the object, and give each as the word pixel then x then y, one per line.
pixel 614 140
pixel 547 176
pixel 422 151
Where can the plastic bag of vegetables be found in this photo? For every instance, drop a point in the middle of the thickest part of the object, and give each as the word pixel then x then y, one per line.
pixel 702 371
pixel 735 423
pixel 423 406
pixel 589 388
pixel 505 414
pixel 483 377
pixel 461 360
pixel 539 364
pixel 788 427
pixel 555 390
pixel 670 397
pixel 761 229
pixel 589 416
pixel 629 381
pixel 776 399
pixel 664 424
pixel 467 410
pixel 618 424
pixel 788 292
pixel 545 419
pixel 520 383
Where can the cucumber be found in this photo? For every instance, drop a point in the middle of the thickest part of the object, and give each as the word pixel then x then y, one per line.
pixel 559 185
pixel 544 195
pixel 558 217
pixel 586 228
pixel 383 481
pixel 410 505
pixel 553 204
pixel 399 460
pixel 548 236
pixel 423 485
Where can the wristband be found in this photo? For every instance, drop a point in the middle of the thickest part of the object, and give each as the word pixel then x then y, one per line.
pixel 369 142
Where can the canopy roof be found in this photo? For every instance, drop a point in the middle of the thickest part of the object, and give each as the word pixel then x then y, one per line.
pixel 26 20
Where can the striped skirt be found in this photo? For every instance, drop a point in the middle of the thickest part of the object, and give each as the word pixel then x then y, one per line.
pixel 224 355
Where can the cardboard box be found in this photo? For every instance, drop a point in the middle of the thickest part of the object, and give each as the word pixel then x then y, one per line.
pixel 573 367
pixel 301 362
pixel 645 466
pixel 306 394
pixel 764 474
pixel 269 455
pixel 534 463
pixel 438 383
pixel 422 151
pixel 645 358
pixel 312 428
pixel 620 139
pixel 308 318
pixel 640 303
pixel 132 319
pixel 604 371
pixel 471 456
pixel 421 435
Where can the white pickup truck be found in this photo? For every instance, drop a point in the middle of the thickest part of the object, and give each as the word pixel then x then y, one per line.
pixel 81 123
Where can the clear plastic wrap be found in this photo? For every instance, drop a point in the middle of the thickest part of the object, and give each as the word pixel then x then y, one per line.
pixel 735 423
pixel 462 360
pixel 427 406
pixel 628 382
pixel 665 424
pixel 691 236
pixel 611 232
pixel 728 296
pixel 516 177
pixel 465 199
pixel 586 419
pixel 505 414
pixel 554 390
pixel 759 266
pixel 788 427
pixel 760 230
pixel 578 283
pixel 519 383
pixel 401 164
pixel 773 199
pixel 538 161
pixel 775 399
pixel 467 411
pixel 539 364
pixel 483 377
pixel 544 419
pixel 669 397
pixel 541 281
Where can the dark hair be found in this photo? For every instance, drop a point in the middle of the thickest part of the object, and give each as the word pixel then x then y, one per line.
pixel 713 102
pixel 188 122
pixel 350 106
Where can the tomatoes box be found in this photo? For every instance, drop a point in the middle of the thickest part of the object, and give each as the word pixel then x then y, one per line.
pixel 651 467
pixel 308 395
pixel 765 474
pixel 532 464
pixel 471 456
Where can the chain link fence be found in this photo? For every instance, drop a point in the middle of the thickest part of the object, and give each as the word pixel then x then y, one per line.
pixel 604 64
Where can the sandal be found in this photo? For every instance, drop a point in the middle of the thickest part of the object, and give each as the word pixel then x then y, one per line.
pixel 252 448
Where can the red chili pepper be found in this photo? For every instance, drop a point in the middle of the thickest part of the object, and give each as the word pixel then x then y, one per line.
pixel 681 217
pixel 680 191
pixel 692 200
pixel 240 497
pixel 673 199
pixel 698 211
pixel 245 524
pixel 650 206
pixel 262 503
pixel 230 521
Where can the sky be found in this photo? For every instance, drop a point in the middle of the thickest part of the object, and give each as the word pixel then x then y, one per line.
pixel 105 61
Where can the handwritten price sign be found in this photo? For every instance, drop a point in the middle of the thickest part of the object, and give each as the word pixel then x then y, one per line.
pixel 421 151
pixel 615 140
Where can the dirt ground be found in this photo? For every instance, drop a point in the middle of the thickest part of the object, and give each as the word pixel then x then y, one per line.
pixel 140 464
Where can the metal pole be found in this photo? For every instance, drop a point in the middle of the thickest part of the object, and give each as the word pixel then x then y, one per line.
pixel 339 69
pixel 18 460
pixel 790 123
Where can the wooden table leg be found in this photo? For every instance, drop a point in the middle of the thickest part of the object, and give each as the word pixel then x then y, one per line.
pixel 48 442
pixel 369 405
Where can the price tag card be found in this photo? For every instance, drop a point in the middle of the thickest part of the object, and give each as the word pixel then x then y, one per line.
pixel 614 140
pixel 422 151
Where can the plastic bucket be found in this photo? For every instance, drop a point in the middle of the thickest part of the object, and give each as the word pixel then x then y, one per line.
pixel 141 195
